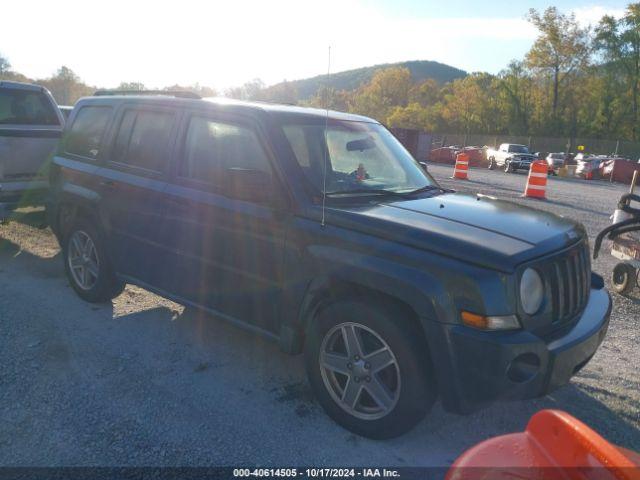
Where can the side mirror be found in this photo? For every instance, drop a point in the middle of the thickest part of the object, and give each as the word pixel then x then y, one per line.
pixel 424 166
pixel 250 185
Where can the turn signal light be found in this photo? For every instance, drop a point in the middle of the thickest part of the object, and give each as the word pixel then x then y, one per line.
pixel 506 322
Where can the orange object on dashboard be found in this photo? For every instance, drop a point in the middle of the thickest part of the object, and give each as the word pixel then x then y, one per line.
pixel 554 445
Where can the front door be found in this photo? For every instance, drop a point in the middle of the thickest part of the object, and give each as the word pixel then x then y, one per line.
pixel 226 230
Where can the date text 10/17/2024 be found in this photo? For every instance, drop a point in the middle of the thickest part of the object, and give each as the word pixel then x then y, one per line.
pixel 317 472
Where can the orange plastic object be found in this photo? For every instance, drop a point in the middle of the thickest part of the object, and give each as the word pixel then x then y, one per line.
pixel 537 180
pixel 554 445
pixel 461 169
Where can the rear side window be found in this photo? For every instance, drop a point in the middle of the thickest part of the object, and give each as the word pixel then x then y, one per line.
pixel 212 148
pixel 143 139
pixel 85 135
pixel 24 107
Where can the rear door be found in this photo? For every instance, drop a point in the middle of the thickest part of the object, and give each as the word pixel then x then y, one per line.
pixel 225 220
pixel 30 126
pixel 131 185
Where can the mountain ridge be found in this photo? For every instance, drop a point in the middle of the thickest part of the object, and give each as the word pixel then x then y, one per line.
pixel 352 79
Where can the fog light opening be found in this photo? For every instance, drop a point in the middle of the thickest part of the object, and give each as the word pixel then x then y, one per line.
pixel 523 368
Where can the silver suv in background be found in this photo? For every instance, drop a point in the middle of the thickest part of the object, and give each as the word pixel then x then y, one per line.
pixel 30 126
pixel 555 161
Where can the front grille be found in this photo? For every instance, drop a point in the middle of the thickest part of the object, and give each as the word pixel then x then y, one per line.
pixel 569 278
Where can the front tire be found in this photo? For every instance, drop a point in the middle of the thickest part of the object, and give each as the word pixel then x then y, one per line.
pixel 369 368
pixel 508 168
pixel 87 264
pixel 623 278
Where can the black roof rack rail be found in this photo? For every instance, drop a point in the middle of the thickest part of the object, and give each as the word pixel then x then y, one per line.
pixel 171 93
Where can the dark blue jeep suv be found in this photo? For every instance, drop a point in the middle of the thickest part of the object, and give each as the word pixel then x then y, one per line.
pixel 319 230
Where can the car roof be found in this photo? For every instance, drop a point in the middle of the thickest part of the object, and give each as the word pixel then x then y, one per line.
pixel 22 86
pixel 229 104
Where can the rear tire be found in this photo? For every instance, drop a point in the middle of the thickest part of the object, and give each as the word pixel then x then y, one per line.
pixel 492 163
pixel 87 264
pixel 387 401
pixel 623 278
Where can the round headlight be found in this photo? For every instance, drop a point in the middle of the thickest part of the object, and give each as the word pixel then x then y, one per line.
pixel 531 291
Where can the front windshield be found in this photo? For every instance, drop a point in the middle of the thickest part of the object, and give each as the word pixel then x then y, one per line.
pixel 518 149
pixel 359 155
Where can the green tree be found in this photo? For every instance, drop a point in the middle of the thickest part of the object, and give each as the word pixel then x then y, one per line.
pixel 561 50
pixel 413 116
pixel 515 86
pixel 5 66
pixel 619 42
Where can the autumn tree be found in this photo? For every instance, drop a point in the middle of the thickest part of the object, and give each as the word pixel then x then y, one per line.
pixel 561 50
pixel 329 97
pixel 413 116
pixel 66 87
pixel 387 89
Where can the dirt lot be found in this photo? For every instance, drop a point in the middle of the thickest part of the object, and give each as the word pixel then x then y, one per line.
pixel 144 382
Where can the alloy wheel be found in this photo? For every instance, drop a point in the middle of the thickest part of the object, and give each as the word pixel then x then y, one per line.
pixel 360 371
pixel 83 261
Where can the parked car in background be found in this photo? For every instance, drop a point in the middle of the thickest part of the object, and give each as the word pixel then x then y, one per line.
pixel 477 156
pixel 588 165
pixel 447 155
pixel 555 161
pixel 511 157
pixel 30 126
pixel 318 229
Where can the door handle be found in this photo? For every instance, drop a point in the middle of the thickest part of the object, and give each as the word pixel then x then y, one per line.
pixel 108 183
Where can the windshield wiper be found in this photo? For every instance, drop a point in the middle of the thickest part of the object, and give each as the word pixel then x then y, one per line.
pixel 391 193
pixel 366 191
pixel 426 188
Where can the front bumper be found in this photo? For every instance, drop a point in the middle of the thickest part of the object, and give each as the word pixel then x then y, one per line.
pixel 475 367
pixel 520 164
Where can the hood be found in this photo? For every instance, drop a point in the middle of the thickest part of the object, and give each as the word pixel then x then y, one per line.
pixel 476 229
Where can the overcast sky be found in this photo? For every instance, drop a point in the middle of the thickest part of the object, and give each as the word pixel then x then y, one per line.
pixel 223 44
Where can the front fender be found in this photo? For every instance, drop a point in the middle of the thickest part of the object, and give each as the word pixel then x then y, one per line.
pixel 419 290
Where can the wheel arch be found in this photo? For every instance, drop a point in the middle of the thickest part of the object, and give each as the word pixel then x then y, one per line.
pixel 332 288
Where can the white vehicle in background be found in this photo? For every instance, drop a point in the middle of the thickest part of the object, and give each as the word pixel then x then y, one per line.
pixel 511 157
pixel 555 161
pixel 30 126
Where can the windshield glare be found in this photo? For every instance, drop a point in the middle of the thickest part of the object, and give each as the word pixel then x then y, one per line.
pixel 518 149
pixel 360 156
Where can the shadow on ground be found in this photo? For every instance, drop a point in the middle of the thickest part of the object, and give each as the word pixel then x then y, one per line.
pixel 204 365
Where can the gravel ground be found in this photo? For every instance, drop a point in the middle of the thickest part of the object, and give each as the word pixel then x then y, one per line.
pixel 142 381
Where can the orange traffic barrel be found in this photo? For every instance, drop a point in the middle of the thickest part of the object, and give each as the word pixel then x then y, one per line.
pixel 462 166
pixel 537 180
pixel 554 445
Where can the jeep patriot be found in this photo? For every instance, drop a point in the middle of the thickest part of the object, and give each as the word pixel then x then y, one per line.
pixel 319 230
